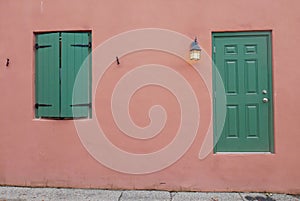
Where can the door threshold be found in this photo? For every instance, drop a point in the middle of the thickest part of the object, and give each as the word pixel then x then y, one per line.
pixel 240 153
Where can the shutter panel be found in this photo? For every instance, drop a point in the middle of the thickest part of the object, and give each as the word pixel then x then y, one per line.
pixel 47 75
pixel 75 50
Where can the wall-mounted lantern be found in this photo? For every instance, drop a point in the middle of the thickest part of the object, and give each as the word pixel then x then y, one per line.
pixel 195 51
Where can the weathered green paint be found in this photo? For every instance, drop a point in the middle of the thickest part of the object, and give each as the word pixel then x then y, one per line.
pixel 47 75
pixel 73 57
pixel 244 62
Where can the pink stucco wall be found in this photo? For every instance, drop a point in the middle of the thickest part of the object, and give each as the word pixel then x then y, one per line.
pixel 49 152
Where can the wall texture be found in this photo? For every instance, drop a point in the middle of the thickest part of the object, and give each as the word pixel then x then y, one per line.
pixel 36 152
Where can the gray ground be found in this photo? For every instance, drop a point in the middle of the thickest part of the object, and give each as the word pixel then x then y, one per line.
pixel 43 194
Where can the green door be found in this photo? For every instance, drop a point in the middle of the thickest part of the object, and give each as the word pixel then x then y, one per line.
pixel 243 61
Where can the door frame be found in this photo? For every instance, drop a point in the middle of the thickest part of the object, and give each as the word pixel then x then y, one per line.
pixel 268 34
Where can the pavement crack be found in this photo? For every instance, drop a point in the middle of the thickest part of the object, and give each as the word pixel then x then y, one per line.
pixel 241 197
pixel 172 194
pixel 119 199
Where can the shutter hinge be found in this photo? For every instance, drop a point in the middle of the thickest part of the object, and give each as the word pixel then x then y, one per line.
pixel 37 46
pixel 215 49
pixel 82 45
pixel 37 105
pixel 82 104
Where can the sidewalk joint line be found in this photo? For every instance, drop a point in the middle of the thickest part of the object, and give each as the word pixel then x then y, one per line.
pixel 119 199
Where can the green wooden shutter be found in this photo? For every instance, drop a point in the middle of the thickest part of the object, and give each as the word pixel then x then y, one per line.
pixel 75 50
pixel 47 75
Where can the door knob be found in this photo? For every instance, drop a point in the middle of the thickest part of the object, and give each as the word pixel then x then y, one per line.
pixel 265 100
pixel 264 91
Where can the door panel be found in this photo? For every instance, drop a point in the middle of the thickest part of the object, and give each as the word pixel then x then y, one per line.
pixel 243 61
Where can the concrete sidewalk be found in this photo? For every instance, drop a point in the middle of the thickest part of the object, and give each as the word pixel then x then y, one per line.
pixel 44 194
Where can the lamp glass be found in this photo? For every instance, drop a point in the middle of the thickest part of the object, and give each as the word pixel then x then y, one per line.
pixel 195 54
